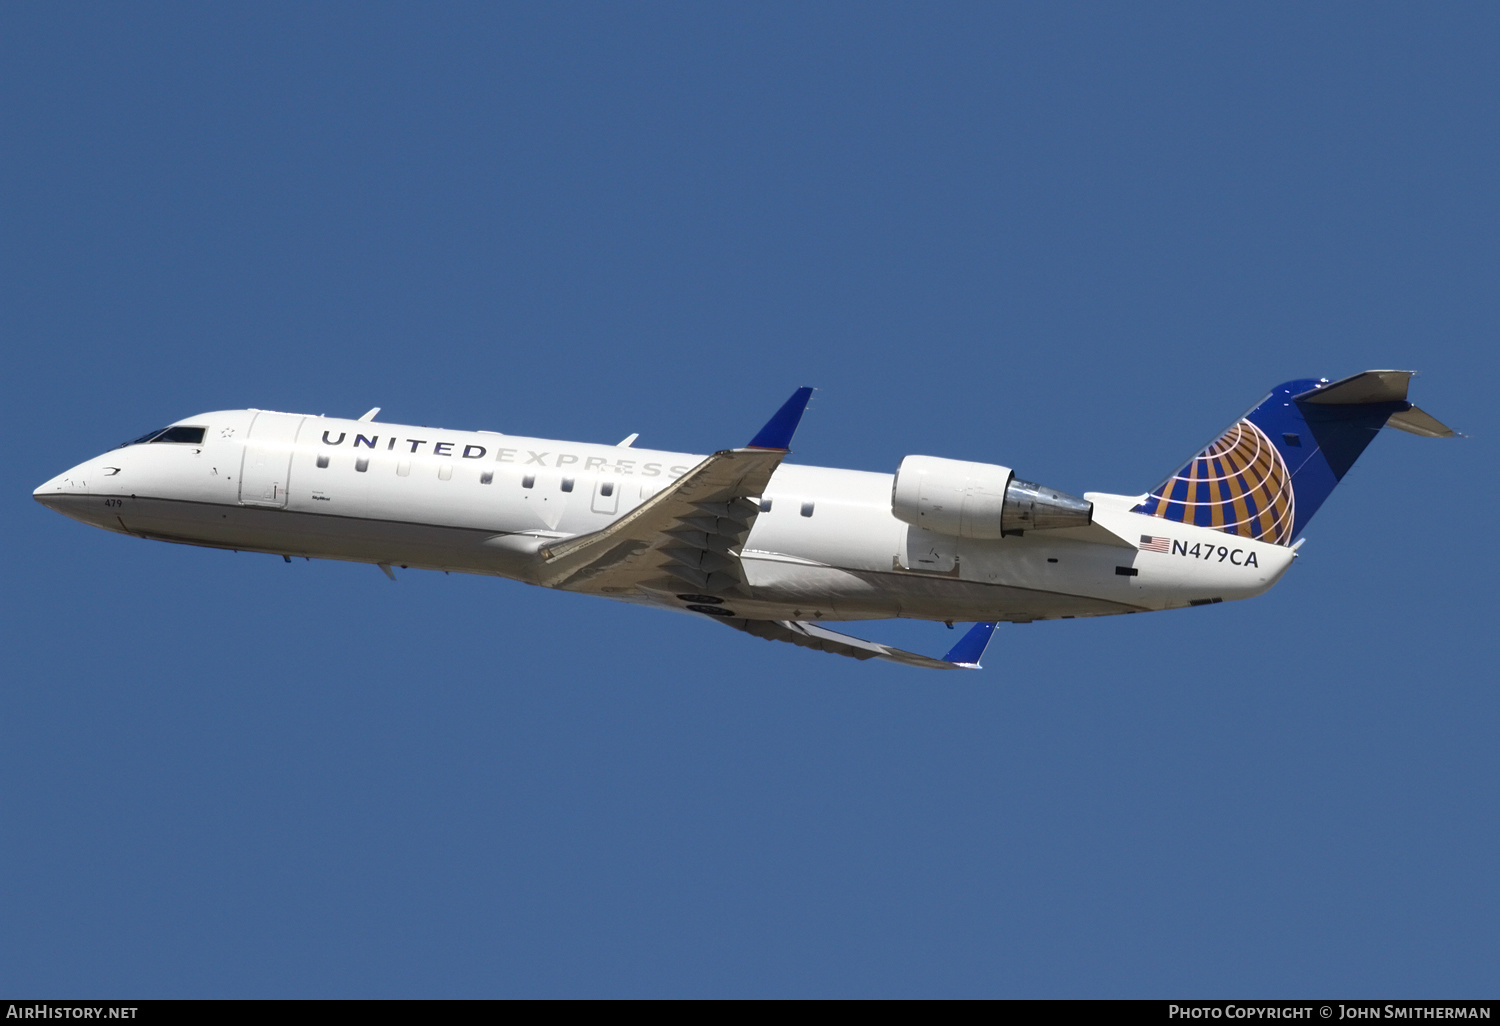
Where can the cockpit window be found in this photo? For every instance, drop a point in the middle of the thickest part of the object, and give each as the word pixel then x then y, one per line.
pixel 181 435
pixel 185 435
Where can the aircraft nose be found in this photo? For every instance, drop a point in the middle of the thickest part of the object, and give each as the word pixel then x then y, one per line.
pixel 71 484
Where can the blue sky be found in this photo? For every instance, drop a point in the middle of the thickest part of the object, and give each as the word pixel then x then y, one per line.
pixel 1075 239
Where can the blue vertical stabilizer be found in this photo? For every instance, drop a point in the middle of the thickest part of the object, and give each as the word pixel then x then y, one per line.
pixel 1267 475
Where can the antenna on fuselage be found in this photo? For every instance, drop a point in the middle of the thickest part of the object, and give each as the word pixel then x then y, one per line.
pixel 371 415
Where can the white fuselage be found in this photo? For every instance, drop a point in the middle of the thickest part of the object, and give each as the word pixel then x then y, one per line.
pixel 825 546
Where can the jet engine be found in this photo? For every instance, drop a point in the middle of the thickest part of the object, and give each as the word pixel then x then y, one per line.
pixel 979 500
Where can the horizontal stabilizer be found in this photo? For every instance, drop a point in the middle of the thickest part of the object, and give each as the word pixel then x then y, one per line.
pixel 963 656
pixel 1420 422
pixel 1373 386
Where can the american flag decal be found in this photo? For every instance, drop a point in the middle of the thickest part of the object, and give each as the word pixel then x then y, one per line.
pixel 1154 543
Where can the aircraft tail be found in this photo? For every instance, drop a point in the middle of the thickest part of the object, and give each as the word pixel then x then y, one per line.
pixel 1267 475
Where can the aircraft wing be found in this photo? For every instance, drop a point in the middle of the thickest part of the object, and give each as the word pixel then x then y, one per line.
pixel 690 532
pixel 963 656
pixel 687 536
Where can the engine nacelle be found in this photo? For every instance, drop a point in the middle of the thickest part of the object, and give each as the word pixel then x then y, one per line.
pixel 979 500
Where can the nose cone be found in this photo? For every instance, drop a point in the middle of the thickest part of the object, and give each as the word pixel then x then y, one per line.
pixel 68 492
pixel 68 484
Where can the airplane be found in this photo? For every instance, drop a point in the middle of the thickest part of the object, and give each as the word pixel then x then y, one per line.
pixel 741 537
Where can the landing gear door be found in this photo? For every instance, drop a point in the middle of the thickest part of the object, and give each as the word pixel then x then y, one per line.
pixel 927 550
pixel 268 459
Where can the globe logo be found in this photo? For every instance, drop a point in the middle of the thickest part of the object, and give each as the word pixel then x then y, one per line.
pixel 1239 484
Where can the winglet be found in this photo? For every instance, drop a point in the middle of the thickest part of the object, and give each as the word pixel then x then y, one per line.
pixel 777 434
pixel 971 646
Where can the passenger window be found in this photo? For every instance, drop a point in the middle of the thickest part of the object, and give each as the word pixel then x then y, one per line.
pixel 445 472
pixel 322 462
pixel 403 468
pixel 528 480
pixel 567 484
pixel 807 509
pixel 607 489
pixel 765 505
pixel 487 477
pixel 362 464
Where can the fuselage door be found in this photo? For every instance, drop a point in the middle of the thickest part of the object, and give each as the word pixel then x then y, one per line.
pixel 268 459
pixel 606 496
